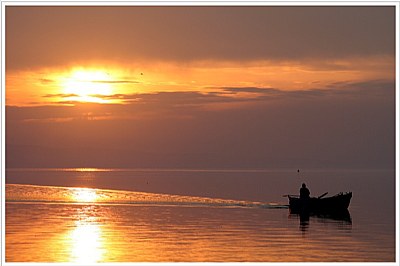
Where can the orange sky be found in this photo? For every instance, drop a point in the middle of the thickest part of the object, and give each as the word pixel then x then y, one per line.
pixel 82 51
pixel 268 68
pixel 83 82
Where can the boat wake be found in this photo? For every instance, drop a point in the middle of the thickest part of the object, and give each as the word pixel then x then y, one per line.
pixel 32 194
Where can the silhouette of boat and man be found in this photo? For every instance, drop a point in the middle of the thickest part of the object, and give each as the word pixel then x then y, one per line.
pixel 334 207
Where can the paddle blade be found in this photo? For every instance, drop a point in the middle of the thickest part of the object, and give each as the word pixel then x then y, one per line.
pixel 323 195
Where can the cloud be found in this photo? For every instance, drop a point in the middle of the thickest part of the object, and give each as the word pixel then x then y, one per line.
pixel 234 97
pixel 378 85
pixel 189 104
pixel 115 81
pixel 70 35
pixel 162 98
pixel 350 88
pixel 46 81
pixel 235 90
pixel 60 95
pixel 118 96
pixel 186 98
pixel 346 125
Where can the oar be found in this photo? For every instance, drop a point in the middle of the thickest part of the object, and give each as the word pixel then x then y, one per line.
pixel 323 195
pixel 290 196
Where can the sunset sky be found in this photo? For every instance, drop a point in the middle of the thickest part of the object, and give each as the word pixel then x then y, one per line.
pixel 200 87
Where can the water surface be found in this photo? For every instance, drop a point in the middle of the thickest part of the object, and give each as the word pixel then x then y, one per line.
pixel 134 216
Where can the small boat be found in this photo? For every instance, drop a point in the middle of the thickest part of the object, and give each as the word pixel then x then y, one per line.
pixel 335 204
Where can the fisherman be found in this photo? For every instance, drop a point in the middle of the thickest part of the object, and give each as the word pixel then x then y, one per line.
pixel 304 192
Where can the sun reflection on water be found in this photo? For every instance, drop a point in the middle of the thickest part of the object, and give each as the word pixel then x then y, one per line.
pixel 86 243
pixel 86 237
pixel 84 195
pixel 86 169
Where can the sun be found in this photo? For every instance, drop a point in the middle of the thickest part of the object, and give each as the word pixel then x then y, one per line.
pixel 88 86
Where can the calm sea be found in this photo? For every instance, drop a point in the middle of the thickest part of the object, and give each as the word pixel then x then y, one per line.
pixel 125 215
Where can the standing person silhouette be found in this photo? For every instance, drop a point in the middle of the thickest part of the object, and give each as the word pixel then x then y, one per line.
pixel 304 192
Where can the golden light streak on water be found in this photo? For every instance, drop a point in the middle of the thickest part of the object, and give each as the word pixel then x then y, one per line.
pixel 86 243
pixel 88 169
pixel 84 195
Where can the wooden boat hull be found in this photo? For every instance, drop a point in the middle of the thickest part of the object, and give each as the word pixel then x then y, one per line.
pixel 343 216
pixel 335 204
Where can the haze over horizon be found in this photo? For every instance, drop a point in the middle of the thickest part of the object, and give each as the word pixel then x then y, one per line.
pixel 200 87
